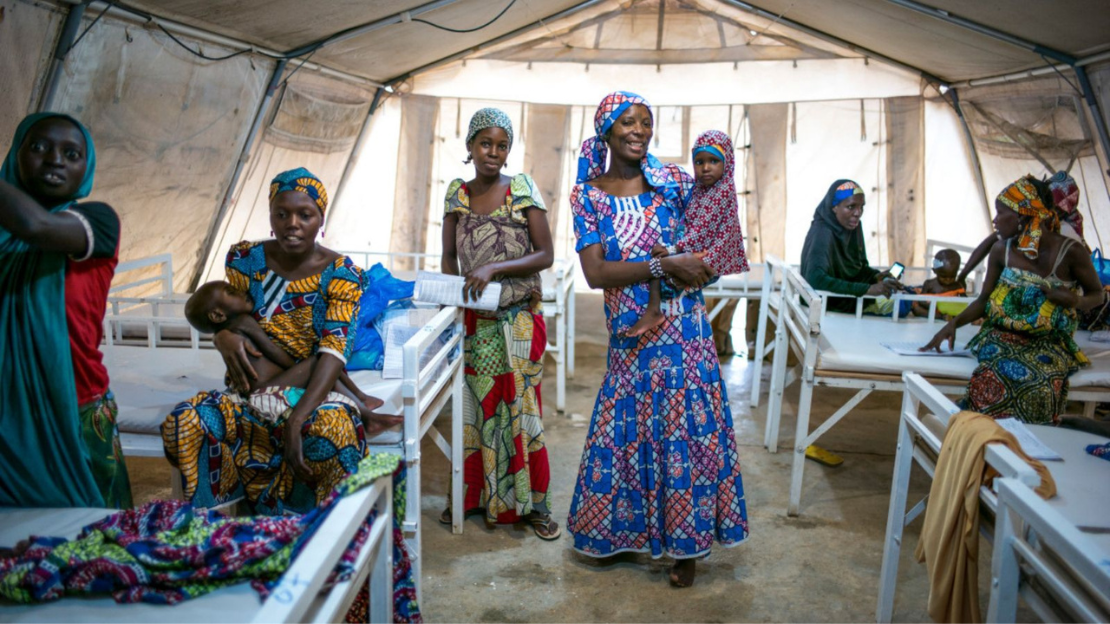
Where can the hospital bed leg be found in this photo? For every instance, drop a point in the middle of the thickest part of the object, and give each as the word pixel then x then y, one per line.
pixel 1089 409
pixel 1005 572
pixel 570 328
pixel 457 399
pixel 774 401
pixel 800 434
pixel 381 576
pixel 561 361
pixel 895 522
pixel 760 345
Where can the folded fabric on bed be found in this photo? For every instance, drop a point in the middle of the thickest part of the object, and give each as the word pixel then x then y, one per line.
pixel 166 552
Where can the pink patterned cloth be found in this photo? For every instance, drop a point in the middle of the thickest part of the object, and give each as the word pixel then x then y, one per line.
pixel 712 217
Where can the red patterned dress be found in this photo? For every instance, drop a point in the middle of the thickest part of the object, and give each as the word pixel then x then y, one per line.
pixel 505 465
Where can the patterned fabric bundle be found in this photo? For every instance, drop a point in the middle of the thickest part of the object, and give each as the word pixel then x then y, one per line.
pixel 1022 198
pixel 301 180
pixel 167 552
pixel 490 118
pixel 1065 196
pixel 713 217
pixel 1100 450
pixel 505 463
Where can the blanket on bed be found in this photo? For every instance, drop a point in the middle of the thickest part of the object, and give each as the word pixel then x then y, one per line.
pixel 167 552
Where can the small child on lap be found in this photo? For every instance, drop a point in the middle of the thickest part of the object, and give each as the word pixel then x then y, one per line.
pixel 712 220
pixel 217 305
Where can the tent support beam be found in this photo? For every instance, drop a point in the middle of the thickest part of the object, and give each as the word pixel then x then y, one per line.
pixel 356 150
pixel 65 42
pixel 976 165
pixel 1031 73
pixel 492 42
pixel 1071 61
pixel 824 36
pixel 244 156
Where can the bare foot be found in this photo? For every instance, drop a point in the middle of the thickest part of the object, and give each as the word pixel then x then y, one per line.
pixel 651 319
pixel 373 423
pixel 683 571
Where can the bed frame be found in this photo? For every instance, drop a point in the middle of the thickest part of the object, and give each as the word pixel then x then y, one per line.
pixel 299 596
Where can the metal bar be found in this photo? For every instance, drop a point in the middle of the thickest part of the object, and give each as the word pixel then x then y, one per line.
pixel 824 36
pixel 244 156
pixel 974 158
pixel 135 16
pixel 65 42
pixel 1030 73
pixel 356 150
pixel 1093 106
pixel 495 41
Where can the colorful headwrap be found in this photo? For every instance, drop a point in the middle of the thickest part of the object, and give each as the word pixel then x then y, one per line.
pixel 1065 195
pixel 846 190
pixel 591 161
pixel 490 118
pixel 716 208
pixel 1022 198
pixel 302 181
pixel 712 149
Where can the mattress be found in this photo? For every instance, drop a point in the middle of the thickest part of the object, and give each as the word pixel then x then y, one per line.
pixel 854 345
pixel 148 383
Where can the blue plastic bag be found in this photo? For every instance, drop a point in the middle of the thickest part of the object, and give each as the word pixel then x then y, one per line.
pixel 379 289
pixel 1102 267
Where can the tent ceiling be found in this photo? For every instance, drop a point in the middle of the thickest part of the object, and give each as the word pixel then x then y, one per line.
pixel 694 27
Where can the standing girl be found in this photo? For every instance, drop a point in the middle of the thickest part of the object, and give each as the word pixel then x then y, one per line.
pixel 495 228
pixel 660 472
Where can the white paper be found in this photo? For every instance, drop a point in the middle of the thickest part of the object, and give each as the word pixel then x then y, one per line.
pixel 912 348
pixel 447 290
pixel 1029 442
pixel 396 337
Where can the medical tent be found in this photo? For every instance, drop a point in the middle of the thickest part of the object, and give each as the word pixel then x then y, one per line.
pixel 196 104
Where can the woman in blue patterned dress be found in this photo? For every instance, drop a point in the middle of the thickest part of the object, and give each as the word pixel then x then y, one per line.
pixel 660 472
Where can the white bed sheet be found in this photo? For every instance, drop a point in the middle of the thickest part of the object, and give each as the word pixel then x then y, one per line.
pixel 237 603
pixel 853 345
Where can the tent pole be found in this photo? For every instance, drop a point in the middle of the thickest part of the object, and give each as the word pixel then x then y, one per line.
pixel 244 156
pixel 356 150
pixel 977 166
pixel 65 42
pixel 824 36
pixel 493 42
pixel 1084 82
pixel 1030 73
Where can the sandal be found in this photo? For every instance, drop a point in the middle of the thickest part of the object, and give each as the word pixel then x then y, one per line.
pixel 445 517
pixel 683 573
pixel 544 527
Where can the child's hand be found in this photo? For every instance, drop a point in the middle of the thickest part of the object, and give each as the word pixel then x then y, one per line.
pixel 659 251
pixel 1061 296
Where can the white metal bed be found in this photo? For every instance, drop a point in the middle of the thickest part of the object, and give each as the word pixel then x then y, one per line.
pixel 558 303
pixel 1075 582
pixel 300 595
pixel 844 351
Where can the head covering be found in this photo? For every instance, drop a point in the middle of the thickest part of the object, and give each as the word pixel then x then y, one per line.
pixel 591 161
pixel 1022 198
pixel 1065 196
pixel 490 118
pixel 44 460
pixel 302 181
pixel 9 171
pixel 846 190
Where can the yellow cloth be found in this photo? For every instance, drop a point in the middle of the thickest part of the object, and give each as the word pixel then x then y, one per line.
pixel 949 543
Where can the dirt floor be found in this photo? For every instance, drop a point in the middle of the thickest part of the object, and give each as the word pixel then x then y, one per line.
pixel 821 566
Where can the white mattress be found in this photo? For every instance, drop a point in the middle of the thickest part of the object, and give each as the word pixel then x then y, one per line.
pixel 853 345
pixel 148 383
pixel 237 603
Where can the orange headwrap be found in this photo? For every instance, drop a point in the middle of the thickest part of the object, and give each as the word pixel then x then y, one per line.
pixel 1022 198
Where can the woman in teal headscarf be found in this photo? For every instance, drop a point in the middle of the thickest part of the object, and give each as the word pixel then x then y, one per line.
pixel 59 444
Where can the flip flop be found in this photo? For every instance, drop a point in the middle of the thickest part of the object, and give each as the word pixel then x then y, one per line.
pixel 684 577
pixel 445 517
pixel 545 523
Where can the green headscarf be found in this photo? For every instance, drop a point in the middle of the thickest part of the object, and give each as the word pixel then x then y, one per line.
pixel 43 458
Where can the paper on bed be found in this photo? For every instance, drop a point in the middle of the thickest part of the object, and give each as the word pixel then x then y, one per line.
pixel 1029 442
pixel 447 290
pixel 912 348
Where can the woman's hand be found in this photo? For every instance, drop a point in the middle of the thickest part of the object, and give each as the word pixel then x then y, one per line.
pixel 1061 296
pixel 687 270
pixel 476 282
pixel 292 450
pixel 948 332
pixel 880 289
pixel 234 349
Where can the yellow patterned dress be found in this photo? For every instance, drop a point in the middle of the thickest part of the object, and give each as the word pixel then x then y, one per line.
pixel 224 447
pixel 505 464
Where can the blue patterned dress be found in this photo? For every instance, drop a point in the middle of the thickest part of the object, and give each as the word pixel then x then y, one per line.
pixel 660 471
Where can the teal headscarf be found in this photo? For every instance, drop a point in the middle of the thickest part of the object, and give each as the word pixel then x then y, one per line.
pixel 43 458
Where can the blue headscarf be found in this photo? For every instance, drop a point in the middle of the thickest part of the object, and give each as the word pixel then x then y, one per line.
pixel 43 458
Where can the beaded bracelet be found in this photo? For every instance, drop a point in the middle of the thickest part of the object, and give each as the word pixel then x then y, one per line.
pixel 656 267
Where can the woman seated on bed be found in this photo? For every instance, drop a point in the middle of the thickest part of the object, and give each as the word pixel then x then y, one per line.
pixel 1036 280
pixel 306 299
pixel 834 257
